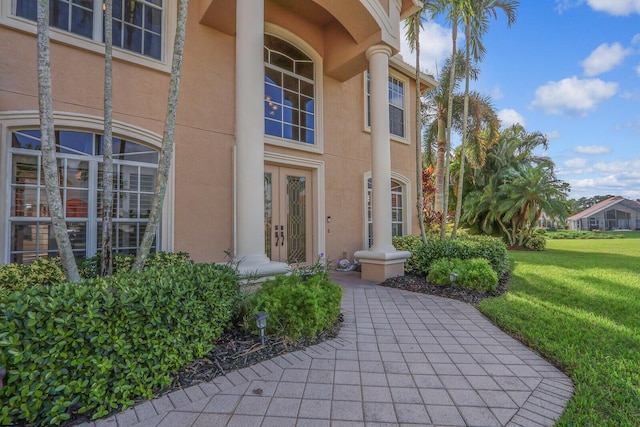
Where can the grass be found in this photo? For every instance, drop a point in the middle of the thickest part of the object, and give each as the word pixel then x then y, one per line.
pixel 578 304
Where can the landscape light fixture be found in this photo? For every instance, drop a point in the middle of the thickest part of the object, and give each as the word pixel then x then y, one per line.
pixel 453 277
pixel 261 323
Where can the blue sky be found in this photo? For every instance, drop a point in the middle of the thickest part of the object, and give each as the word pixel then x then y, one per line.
pixel 571 70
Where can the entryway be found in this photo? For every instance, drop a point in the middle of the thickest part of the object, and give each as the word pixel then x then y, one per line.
pixel 288 207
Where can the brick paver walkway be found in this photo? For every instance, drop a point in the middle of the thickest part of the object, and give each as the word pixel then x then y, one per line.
pixel 401 359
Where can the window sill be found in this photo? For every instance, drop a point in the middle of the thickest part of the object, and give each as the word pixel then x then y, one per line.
pixel 299 146
pixel 70 39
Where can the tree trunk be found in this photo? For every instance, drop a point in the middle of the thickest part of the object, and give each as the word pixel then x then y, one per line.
pixel 48 144
pixel 442 142
pixel 166 153
pixel 452 82
pixel 465 118
pixel 106 266
pixel 419 163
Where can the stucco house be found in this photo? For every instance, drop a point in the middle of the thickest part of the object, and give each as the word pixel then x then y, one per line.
pixel 294 135
pixel 614 213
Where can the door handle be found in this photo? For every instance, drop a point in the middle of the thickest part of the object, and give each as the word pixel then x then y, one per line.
pixel 282 235
pixel 275 235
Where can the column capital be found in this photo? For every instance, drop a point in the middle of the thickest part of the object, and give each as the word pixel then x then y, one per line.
pixel 379 48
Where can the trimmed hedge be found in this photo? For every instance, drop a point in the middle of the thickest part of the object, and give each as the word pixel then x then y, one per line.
pixel 424 255
pixel 48 271
pixel 297 307
pixel 18 277
pixel 536 243
pixel 96 345
pixel 474 273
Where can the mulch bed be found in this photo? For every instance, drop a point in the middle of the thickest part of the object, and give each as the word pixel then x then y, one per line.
pixel 422 285
pixel 238 349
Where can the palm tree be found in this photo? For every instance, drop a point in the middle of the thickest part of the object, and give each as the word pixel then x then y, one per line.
pixel 514 187
pixel 106 265
pixel 453 10
pixel 476 25
pixel 48 147
pixel 166 152
pixel 413 24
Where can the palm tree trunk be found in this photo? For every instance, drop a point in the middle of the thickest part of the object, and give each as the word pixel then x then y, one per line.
pixel 419 162
pixel 445 198
pixel 166 153
pixel 465 118
pixel 48 144
pixel 442 142
pixel 106 266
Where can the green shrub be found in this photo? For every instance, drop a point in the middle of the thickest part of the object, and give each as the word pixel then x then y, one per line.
pixel 90 267
pixel 440 272
pixel 97 345
pixel 474 273
pixel 42 271
pixel 423 255
pixel 297 307
pixel 536 243
pixel 412 244
pixel 575 234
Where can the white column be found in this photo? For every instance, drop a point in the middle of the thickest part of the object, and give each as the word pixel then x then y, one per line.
pixel 382 260
pixel 249 153
pixel 250 132
pixel 378 57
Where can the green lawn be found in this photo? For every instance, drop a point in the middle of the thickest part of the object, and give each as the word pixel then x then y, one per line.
pixel 578 304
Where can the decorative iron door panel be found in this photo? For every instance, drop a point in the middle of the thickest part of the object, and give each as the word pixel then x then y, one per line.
pixel 288 214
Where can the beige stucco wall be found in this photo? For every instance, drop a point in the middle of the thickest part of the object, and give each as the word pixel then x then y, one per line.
pixel 203 221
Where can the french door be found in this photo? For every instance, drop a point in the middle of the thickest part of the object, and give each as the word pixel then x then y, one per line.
pixel 288 214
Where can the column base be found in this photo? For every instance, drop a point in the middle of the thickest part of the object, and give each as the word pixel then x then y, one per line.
pixel 380 266
pixel 258 268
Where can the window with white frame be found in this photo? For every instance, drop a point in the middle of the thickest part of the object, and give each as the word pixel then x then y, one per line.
pixel 396 105
pixel 397 210
pixel 289 88
pixel 79 157
pixel 137 24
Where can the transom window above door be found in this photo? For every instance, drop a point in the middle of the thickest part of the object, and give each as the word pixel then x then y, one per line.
pixel 289 88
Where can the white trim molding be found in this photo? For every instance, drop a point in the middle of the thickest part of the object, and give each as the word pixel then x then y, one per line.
pixel 405 106
pixel 318 146
pixel 406 206
pixel 317 168
pixel 96 45
pixel 11 120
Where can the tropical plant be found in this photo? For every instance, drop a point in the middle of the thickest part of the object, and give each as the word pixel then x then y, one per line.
pixel 166 151
pixel 48 147
pixel 514 187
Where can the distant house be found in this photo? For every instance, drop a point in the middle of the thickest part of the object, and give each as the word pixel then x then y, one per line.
pixel 615 213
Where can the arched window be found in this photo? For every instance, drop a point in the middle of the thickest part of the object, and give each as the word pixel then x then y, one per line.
pixel 79 156
pixel 289 87
pixel 398 210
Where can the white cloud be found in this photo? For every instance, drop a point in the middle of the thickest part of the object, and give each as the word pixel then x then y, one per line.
pixel 573 96
pixel 616 7
pixel 497 94
pixel 638 70
pixel 592 149
pixel 636 39
pixel 435 47
pixel 632 95
pixel 554 134
pixel 604 58
pixel 576 163
pixel 509 117
pixel 629 168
